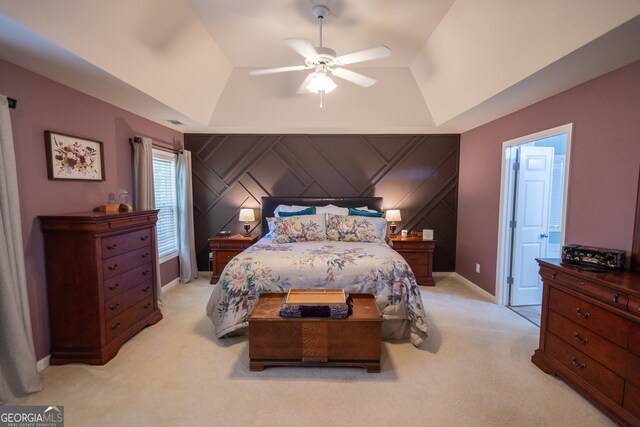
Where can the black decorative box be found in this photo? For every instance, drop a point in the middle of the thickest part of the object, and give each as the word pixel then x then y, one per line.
pixel 595 258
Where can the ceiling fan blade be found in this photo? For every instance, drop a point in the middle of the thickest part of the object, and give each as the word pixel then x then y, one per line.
pixel 303 87
pixel 264 71
pixel 303 47
pixel 353 77
pixel 377 52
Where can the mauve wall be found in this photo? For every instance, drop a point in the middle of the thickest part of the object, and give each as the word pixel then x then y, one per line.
pixel 46 105
pixel 603 175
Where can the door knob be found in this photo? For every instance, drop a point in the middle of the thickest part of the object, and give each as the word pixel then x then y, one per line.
pixel 543 235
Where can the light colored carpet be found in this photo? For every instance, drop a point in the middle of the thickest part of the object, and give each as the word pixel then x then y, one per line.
pixel 474 369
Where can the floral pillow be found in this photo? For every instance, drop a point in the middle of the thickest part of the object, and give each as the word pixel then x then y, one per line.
pixel 356 228
pixel 303 228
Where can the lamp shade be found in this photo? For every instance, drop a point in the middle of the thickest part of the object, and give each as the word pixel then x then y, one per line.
pixel 393 215
pixel 321 82
pixel 247 215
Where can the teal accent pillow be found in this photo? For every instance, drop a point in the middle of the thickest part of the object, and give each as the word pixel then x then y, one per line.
pixel 360 212
pixel 309 211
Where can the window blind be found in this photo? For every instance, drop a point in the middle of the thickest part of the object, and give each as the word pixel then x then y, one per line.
pixel 164 183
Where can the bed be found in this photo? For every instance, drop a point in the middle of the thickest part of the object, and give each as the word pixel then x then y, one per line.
pixel 360 266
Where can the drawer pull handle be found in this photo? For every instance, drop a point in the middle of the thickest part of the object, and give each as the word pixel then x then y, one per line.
pixel 144 273
pixel 145 255
pixel 581 283
pixel 110 247
pixel 554 274
pixel 616 297
pixel 115 306
pixel 114 287
pixel 580 339
pixel 146 289
pixel 115 326
pixel 581 314
pixel 147 305
pixel 143 238
pixel 578 364
pixel 112 267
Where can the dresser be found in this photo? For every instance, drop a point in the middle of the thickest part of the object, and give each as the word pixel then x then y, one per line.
pixel 419 255
pixel 101 282
pixel 224 248
pixel 590 336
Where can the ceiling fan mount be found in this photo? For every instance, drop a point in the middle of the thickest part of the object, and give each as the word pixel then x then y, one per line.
pixel 320 11
pixel 325 60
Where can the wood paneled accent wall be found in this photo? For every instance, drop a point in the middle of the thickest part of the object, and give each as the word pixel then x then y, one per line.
pixel 417 174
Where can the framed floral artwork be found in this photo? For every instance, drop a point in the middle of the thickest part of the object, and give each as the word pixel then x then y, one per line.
pixel 73 158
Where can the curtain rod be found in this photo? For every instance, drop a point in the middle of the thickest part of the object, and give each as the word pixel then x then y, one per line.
pixel 156 146
pixel 12 103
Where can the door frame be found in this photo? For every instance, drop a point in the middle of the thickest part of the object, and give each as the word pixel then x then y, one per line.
pixel 507 177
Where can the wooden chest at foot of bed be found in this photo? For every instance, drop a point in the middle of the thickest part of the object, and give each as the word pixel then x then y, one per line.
pixel 314 341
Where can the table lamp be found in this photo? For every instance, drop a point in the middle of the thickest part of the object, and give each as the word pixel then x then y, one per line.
pixel 247 216
pixel 393 215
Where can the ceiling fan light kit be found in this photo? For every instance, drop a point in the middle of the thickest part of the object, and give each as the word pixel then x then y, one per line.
pixel 324 60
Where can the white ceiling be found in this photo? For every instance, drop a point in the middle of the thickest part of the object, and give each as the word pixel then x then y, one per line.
pixel 455 64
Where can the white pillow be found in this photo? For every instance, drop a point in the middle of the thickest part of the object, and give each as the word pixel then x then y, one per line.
pixel 288 208
pixel 332 209
pixel 366 208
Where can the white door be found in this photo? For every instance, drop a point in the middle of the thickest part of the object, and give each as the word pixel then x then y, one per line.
pixel 531 213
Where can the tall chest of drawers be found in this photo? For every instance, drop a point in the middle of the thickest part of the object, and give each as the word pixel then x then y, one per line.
pixel 590 336
pixel 101 282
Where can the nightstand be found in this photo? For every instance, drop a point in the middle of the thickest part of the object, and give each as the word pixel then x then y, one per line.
pixel 419 255
pixel 223 248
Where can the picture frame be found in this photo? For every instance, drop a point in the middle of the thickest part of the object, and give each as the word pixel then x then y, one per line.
pixel 73 158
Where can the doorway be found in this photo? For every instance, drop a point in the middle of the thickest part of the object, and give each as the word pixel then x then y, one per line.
pixel 532 215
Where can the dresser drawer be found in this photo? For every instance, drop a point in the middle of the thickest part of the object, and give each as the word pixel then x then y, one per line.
pixel 415 258
pixel 412 245
pixel 634 306
pixel 588 315
pixel 605 381
pixel 122 282
pixel 120 323
pixel 121 263
pixel 121 302
pixel 601 293
pixel 590 343
pixel 632 399
pixel 223 257
pixel 126 221
pixel 121 243
pixel 633 369
pixel 634 339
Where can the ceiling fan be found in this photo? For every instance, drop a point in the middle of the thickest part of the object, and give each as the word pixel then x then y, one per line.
pixel 324 61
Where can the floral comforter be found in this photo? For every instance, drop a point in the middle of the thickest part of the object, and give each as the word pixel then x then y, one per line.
pixel 357 267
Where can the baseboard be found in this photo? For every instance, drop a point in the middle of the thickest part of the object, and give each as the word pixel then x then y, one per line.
pixel 444 274
pixel 476 289
pixel 43 363
pixel 170 285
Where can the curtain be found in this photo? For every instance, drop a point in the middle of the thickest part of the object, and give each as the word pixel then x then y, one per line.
pixel 186 238
pixel 143 186
pixel 18 370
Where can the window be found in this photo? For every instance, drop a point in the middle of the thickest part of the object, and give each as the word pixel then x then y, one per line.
pixel 164 186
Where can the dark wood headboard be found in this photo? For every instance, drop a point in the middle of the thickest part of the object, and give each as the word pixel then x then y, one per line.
pixel 269 204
